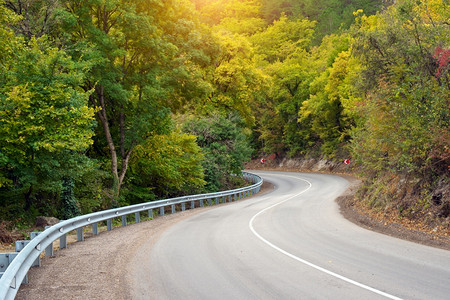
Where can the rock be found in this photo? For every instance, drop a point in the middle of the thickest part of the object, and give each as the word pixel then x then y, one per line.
pixel 5 235
pixel 46 221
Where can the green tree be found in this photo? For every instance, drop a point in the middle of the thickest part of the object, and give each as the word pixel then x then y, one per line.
pixel 166 166
pixel 324 110
pixel 331 15
pixel 37 17
pixel 44 118
pixel 283 52
pixel 137 50
pixel 70 208
pixel 236 80
pixel 225 146
pixel 407 86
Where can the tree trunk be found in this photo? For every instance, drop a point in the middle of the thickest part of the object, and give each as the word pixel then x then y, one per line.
pixel 28 200
pixel 112 149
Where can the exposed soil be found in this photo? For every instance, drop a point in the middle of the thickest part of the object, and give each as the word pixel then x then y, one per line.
pixel 388 223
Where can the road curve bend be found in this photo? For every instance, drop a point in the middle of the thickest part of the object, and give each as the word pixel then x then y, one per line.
pixel 291 243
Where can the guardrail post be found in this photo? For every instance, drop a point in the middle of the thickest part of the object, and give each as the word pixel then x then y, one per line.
pixel 161 211
pixel 173 208
pixel 37 262
pixel 34 234
pixel 201 202
pixel 235 197
pixel 63 241
pixel 49 249
pixel 20 245
pixel 124 220
pixel 192 204
pixel 5 260
pixel 183 206
pixel 150 213
pixel 80 236
pixel 109 224
pixel 137 217
pixel 95 228
pixel 209 201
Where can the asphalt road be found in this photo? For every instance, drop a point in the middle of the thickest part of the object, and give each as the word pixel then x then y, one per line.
pixel 291 243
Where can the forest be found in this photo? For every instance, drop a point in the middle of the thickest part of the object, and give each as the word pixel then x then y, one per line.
pixel 105 103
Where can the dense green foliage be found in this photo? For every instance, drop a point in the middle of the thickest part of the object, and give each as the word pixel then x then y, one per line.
pixel 225 147
pixel 111 102
pixel 166 165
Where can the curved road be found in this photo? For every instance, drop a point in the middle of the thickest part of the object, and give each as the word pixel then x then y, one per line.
pixel 291 243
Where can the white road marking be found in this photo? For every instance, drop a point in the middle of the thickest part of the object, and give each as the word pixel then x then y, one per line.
pixel 250 224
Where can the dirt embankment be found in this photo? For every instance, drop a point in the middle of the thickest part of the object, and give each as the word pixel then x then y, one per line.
pixel 388 222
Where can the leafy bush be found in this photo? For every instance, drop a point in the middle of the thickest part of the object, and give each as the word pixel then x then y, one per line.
pixel 225 146
pixel 165 166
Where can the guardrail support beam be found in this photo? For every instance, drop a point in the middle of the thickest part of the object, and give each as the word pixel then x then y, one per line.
pixel 137 217
pixel 49 250
pixel 183 206
pixel 150 213
pixel 5 260
pixel 80 236
pixel 95 228
pixel 161 211
pixel 20 245
pixel 109 224
pixel 63 241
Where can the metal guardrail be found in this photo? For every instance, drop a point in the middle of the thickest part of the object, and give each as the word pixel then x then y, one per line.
pixel 15 273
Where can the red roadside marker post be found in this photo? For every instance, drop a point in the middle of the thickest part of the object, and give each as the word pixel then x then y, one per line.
pixel 347 161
